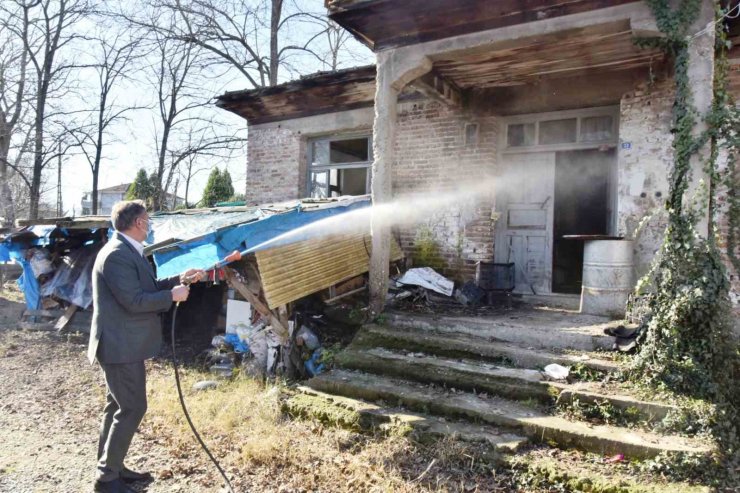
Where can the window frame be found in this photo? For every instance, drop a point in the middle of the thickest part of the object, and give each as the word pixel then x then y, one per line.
pixel 311 168
pixel 578 115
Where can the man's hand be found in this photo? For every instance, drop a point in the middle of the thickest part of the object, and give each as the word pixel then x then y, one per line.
pixel 180 293
pixel 192 275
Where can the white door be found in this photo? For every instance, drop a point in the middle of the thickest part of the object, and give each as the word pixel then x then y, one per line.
pixel 524 199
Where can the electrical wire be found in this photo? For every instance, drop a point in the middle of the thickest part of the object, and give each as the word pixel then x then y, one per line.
pixel 185 409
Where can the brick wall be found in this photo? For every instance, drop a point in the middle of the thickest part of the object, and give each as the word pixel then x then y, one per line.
pixel 275 165
pixel 645 157
pixel 645 123
pixel 432 156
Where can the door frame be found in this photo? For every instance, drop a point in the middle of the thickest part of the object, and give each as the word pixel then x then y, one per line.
pixel 506 151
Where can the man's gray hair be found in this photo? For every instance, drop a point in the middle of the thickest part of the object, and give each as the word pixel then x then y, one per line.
pixel 124 213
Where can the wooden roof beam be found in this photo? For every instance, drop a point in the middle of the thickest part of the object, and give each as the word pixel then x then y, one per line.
pixel 434 86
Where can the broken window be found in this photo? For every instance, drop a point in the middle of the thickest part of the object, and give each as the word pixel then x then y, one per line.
pixel 339 166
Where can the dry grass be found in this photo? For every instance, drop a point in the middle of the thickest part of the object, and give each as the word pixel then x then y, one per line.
pixel 242 423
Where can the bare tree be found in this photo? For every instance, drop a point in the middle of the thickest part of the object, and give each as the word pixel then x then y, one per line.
pixel 46 28
pixel 113 59
pixel 255 38
pixel 13 107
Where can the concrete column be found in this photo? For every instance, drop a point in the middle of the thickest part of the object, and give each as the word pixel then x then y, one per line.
pixel 701 80
pixel 384 136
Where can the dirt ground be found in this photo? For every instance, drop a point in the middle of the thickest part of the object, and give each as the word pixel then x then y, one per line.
pixel 50 404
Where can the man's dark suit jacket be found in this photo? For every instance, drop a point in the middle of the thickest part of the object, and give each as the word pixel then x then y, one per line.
pixel 128 301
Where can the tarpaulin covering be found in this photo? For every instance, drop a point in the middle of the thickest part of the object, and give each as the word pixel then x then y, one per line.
pixel 205 251
pixel 72 281
pixel 27 282
pixel 4 253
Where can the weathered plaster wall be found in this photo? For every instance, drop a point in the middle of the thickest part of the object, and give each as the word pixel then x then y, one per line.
pixel 433 158
pixel 643 170
pixel 643 162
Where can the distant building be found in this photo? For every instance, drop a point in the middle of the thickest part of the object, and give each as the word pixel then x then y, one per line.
pixel 107 197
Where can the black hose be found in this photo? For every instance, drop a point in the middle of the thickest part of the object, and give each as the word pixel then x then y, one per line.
pixel 185 409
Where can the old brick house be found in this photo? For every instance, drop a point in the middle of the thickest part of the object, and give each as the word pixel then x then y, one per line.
pixel 551 100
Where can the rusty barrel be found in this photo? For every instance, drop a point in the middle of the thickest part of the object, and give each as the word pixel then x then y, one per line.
pixel 607 277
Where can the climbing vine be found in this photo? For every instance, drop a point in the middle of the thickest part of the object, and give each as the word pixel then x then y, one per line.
pixel 686 342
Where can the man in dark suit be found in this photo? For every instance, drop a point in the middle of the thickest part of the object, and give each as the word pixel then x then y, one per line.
pixel 126 330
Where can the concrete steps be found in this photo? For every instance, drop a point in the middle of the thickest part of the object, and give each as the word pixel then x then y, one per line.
pixel 463 345
pixel 495 411
pixel 361 415
pixel 483 377
pixel 537 328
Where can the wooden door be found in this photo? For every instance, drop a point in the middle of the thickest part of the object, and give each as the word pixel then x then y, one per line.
pixel 524 199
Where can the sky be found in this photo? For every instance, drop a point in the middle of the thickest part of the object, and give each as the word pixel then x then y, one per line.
pixel 132 145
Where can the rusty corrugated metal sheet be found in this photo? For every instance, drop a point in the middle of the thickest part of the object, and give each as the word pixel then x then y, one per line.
pixel 293 271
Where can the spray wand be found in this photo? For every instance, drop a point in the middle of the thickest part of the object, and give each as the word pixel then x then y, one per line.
pixel 232 257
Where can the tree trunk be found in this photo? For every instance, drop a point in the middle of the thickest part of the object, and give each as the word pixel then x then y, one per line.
pixel 277 9
pixel 7 211
pixel 38 154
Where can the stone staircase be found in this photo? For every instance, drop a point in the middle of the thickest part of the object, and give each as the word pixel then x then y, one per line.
pixel 482 381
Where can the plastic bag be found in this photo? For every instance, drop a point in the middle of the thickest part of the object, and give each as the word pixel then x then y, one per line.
pixel 306 337
pixel 40 262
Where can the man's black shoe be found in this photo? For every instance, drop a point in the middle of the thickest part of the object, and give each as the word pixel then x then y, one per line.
pixel 115 486
pixel 129 476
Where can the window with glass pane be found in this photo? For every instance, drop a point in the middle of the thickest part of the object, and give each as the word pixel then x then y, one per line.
pixel 520 135
pixel 597 128
pixel 339 167
pixel 558 131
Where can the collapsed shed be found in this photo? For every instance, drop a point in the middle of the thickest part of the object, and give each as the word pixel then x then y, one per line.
pixel 286 256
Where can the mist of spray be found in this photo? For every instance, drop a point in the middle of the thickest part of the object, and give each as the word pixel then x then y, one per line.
pixel 404 211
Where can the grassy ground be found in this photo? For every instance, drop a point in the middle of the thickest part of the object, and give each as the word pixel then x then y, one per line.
pixel 50 404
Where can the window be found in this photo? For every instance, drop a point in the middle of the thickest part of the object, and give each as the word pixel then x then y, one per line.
pixel 339 166
pixel 520 135
pixel 570 129
pixel 558 131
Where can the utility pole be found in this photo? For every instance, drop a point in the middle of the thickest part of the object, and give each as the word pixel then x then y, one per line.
pixel 59 181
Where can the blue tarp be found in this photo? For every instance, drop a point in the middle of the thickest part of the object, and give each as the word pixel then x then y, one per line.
pixel 4 253
pixel 27 282
pixel 205 251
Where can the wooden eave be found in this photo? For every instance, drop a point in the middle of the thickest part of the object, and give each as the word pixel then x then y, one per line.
pixel 383 24
pixel 325 92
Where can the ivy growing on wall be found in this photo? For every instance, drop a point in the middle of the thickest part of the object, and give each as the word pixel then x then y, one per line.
pixel 686 344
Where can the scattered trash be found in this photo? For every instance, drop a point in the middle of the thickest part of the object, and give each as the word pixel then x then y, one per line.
pixel 223 370
pixel 470 294
pixel 313 367
pixel 306 337
pixel 205 385
pixel 237 343
pixel 625 337
pixel 428 278
pixel 557 372
pixel 614 459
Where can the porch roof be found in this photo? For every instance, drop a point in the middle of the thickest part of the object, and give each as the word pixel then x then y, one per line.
pixel 322 92
pixel 382 24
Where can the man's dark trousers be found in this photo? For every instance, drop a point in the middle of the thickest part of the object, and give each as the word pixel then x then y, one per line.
pixel 125 407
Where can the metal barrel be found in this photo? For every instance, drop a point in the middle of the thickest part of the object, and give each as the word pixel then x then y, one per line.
pixel 607 277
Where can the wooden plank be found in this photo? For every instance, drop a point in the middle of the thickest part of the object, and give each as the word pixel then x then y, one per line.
pixel 333 300
pixel 46 327
pixel 65 318
pixel 41 313
pixel 383 24
pixel 258 305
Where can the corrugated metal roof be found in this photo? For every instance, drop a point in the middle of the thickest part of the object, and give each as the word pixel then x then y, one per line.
pixel 293 271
